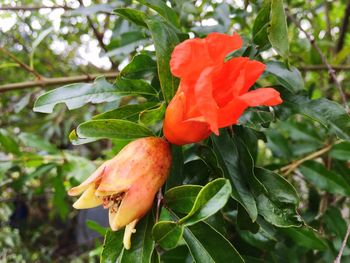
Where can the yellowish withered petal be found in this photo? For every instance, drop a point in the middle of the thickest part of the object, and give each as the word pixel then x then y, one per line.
pixel 112 222
pixel 88 199
pixel 90 180
pixel 129 230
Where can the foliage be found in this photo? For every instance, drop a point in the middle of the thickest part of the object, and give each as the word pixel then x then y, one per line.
pixel 273 188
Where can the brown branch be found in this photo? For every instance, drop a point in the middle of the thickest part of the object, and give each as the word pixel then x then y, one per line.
pixel 331 71
pixel 47 82
pixel 98 35
pixel 343 245
pixel 344 28
pixel 23 65
pixel 323 67
pixel 294 165
pixel 32 8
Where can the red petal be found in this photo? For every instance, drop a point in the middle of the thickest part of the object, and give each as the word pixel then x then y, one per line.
pixel 189 58
pixel 262 96
pixel 252 71
pixel 205 100
pixel 179 130
pixel 220 45
pixel 230 114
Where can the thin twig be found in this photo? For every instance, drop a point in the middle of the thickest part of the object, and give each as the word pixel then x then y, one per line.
pixel 23 65
pixel 323 67
pixel 32 8
pixel 98 35
pixel 344 28
pixel 343 245
pixel 294 165
pixel 47 82
pixel 331 71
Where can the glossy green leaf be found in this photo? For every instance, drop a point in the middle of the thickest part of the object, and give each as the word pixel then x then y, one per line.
pixel 210 199
pixel 140 66
pixel 140 87
pixel 288 77
pixel 227 156
pixel 209 246
pixel 256 119
pixel 341 151
pixel 278 30
pixel 162 9
pixel 142 244
pixel 324 179
pixel 261 24
pixel 176 175
pixel 132 15
pixel 151 116
pixel 7 143
pixel 167 234
pixel 329 113
pixel 176 255
pixel 280 216
pixel 128 112
pixel 182 198
pixel 117 129
pixel 278 189
pixel 77 95
pixel 112 246
pixel 306 237
pixel 165 39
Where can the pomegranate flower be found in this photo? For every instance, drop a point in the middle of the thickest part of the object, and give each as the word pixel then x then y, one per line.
pixel 127 184
pixel 213 93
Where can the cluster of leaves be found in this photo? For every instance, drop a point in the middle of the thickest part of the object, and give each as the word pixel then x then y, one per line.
pixel 233 197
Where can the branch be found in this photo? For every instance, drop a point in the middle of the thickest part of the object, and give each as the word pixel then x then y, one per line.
pixel 344 28
pixel 343 245
pixel 47 82
pixel 32 8
pixel 23 65
pixel 294 165
pixel 323 67
pixel 331 71
pixel 98 35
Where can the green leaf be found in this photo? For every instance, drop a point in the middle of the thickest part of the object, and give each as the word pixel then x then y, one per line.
pixel 77 95
pixel 261 23
pixel 329 113
pixel 132 15
pixel 278 30
pixel 165 39
pixel 290 78
pixel 162 9
pixel 112 246
pixel 167 234
pixel 93 225
pixel 36 43
pixel 176 255
pixel 151 116
pixel 59 198
pixel 334 222
pixel 280 216
pixel 209 246
pixel 176 175
pixel 142 244
pixel 210 200
pixel 278 189
pixel 117 129
pixel 182 198
pixel 256 119
pixel 341 151
pixel 140 66
pixel 228 160
pixel 90 10
pixel 127 112
pixel 324 179
pixel 306 237
pixel 34 141
pixel 125 86
pixel 8 143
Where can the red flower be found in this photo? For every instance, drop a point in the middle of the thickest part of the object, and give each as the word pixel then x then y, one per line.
pixel 212 93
